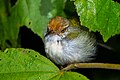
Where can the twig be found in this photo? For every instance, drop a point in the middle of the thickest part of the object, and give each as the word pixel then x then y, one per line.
pixel 105 46
pixel 92 65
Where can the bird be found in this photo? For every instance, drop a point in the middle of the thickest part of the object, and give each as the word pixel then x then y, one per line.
pixel 67 42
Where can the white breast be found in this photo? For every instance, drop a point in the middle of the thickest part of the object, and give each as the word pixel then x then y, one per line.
pixel 63 51
pixel 53 45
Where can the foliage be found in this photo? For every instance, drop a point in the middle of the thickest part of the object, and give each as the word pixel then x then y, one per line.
pixel 18 63
pixel 36 14
pixel 100 15
pixel 33 14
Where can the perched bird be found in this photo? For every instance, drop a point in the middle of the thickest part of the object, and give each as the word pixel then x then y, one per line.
pixel 67 42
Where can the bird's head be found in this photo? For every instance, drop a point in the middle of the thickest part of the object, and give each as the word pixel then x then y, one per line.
pixel 58 25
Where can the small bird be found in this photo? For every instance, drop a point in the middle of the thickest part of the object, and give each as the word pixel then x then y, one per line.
pixel 67 42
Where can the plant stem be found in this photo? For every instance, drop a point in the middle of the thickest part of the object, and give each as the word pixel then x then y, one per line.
pixel 92 65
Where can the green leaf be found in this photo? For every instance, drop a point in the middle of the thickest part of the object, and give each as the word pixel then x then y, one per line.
pixel 100 15
pixel 25 64
pixel 40 12
pixel 34 14
pixel 8 26
pixel 71 76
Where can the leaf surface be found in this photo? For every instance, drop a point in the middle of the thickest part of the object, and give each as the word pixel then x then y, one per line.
pixel 100 15
pixel 18 63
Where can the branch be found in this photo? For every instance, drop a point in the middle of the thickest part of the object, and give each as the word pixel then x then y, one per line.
pixel 92 65
pixel 105 46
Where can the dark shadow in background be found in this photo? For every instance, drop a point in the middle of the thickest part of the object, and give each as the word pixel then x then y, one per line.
pixel 30 40
pixel 106 55
pixel 117 1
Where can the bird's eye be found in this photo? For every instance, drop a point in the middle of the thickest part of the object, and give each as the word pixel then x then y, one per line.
pixel 63 30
